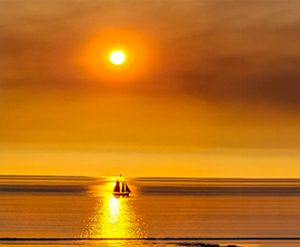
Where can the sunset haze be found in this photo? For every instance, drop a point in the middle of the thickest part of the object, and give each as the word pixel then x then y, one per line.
pixel 206 89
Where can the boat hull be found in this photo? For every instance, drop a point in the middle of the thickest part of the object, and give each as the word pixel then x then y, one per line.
pixel 122 194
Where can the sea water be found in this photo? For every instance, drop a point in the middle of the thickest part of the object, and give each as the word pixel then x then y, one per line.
pixel 159 212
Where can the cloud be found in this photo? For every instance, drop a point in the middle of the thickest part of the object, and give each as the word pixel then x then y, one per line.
pixel 241 58
pixel 210 48
pixel 249 53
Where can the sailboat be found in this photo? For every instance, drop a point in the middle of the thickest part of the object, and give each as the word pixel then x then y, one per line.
pixel 121 188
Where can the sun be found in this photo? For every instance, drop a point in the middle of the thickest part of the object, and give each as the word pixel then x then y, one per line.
pixel 117 57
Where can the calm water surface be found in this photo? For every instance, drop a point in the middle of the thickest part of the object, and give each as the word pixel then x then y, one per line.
pixel 159 212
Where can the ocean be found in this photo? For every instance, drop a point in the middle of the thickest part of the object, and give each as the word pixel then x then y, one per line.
pixel 69 211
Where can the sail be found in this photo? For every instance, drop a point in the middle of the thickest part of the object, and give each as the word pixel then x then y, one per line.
pixel 121 188
pixel 127 188
pixel 117 187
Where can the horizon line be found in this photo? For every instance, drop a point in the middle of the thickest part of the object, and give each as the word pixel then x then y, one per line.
pixel 137 177
pixel 148 238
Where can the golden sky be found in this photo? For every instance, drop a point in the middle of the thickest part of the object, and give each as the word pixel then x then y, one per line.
pixel 210 88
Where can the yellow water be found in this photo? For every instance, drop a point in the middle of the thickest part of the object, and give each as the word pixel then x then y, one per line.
pixel 164 212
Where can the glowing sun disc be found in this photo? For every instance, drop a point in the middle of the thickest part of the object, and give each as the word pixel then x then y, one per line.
pixel 117 57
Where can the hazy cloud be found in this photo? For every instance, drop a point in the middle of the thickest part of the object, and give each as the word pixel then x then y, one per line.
pixel 218 52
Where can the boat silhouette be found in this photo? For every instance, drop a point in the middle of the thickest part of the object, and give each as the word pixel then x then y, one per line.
pixel 121 188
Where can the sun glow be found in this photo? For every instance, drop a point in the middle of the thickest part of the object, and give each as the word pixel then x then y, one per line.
pixel 117 57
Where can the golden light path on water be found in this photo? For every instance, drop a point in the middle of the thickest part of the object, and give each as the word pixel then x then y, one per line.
pixel 113 217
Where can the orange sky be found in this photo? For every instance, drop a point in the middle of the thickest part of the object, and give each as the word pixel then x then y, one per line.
pixel 210 88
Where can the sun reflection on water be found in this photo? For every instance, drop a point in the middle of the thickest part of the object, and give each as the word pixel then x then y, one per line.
pixel 114 209
pixel 113 217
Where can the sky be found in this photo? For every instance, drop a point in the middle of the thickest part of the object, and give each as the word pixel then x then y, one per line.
pixel 209 88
